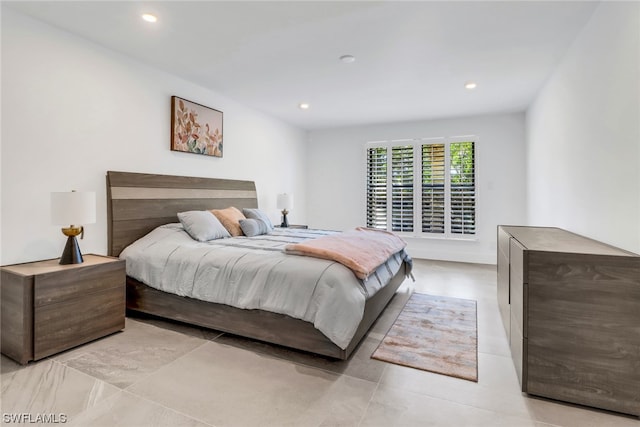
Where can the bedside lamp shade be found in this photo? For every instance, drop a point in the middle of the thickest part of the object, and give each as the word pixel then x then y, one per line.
pixel 285 202
pixel 73 209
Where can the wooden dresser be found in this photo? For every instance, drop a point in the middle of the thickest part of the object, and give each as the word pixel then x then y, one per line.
pixel 48 307
pixel 571 310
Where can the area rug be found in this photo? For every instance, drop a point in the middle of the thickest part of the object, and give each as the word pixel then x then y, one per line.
pixel 436 334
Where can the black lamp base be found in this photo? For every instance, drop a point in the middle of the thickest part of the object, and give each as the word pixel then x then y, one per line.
pixel 285 223
pixel 71 253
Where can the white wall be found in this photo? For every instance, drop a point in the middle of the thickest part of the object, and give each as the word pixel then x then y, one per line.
pixel 337 174
pixel 583 133
pixel 71 110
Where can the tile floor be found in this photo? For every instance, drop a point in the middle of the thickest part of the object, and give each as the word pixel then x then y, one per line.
pixel 158 373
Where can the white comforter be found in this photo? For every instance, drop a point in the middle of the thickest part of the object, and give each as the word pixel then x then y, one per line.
pixel 254 273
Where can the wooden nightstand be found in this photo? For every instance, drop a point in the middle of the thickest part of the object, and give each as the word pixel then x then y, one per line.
pixel 48 307
pixel 298 226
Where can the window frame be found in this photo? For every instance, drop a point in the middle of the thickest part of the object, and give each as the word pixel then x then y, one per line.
pixel 417 144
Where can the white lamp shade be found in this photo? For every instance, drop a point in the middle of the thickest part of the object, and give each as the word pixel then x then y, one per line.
pixel 73 208
pixel 285 201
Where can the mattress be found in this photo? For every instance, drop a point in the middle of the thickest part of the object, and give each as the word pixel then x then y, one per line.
pixel 255 273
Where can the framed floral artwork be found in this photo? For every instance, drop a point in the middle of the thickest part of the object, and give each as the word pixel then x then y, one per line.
pixel 195 128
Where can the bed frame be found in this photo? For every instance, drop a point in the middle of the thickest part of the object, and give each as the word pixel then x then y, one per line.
pixel 137 203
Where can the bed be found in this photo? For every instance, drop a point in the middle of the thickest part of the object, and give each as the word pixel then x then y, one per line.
pixel 138 204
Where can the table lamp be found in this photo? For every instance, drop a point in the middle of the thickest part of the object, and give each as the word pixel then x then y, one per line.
pixel 285 202
pixel 75 208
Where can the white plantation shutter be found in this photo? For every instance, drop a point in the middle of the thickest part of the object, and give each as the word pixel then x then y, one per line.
pixel 377 187
pixel 402 188
pixel 463 187
pixel 425 186
pixel 433 188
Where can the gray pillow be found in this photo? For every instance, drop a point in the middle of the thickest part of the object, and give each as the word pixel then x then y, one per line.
pixel 253 227
pixel 258 214
pixel 202 225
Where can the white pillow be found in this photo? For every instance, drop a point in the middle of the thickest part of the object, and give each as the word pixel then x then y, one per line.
pixel 202 225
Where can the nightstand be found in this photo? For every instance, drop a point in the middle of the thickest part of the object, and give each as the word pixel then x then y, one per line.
pixel 48 308
pixel 298 226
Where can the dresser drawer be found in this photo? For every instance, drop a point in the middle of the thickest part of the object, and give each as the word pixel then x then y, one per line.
pixel 518 286
pixel 518 346
pixel 503 290
pixel 69 284
pixel 503 242
pixel 76 321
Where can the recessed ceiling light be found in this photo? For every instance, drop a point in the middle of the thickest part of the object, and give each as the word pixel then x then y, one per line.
pixel 149 17
pixel 304 106
pixel 347 59
pixel 470 85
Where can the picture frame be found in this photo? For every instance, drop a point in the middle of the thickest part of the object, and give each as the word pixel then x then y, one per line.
pixel 196 128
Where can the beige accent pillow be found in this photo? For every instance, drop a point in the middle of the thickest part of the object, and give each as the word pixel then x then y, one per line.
pixel 230 218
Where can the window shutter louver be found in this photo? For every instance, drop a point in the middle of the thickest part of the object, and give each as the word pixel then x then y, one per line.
pixel 377 188
pixel 463 187
pixel 402 188
pixel 433 188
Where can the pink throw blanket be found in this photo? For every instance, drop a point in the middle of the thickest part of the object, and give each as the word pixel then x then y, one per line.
pixel 363 250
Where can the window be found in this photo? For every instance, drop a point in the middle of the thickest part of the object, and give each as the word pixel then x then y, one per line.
pixel 425 186
pixel 402 188
pixel 377 188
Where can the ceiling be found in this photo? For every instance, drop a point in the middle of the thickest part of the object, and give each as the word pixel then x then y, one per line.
pixel 412 58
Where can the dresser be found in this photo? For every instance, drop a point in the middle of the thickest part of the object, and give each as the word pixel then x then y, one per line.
pixel 571 311
pixel 47 307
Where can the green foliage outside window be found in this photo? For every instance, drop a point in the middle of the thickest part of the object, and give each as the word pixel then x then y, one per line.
pixel 462 163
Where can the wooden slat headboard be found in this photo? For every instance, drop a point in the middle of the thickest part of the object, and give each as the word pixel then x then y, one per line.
pixel 139 202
